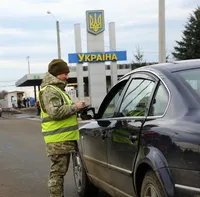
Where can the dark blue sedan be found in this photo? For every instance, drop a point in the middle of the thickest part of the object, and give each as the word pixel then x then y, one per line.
pixel 144 141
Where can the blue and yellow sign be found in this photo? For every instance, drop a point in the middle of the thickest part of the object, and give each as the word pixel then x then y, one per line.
pixel 95 21
pixel 112 56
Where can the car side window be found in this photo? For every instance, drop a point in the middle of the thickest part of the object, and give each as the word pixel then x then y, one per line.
pixel 160 101
pixel 109 112
pixel 137 98
pixel 108 106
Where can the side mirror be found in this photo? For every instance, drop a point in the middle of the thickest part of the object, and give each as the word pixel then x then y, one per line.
pixel 104 123
pixel 88 113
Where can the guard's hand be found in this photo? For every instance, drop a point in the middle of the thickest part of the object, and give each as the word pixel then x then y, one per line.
pixel 80 105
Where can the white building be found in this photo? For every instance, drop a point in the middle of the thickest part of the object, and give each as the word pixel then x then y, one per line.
pixel 11 98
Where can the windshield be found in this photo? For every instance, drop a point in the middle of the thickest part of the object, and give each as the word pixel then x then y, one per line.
pixel 192 77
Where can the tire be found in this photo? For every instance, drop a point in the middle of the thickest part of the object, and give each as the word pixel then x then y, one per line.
pixel 151 186
pixel 83 185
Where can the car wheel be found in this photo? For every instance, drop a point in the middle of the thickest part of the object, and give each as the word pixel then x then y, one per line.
pixel 83 185
pixel 151 186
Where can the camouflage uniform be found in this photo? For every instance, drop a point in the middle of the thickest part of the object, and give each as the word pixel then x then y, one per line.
pixel 59 153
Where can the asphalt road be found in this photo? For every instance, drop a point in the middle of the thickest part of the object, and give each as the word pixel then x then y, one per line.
pixel 24 165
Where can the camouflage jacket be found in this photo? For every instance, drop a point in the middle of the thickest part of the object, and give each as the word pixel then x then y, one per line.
pixel 52 103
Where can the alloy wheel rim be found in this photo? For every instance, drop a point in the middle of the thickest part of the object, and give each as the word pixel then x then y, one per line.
pixel 78 172
pixel 150 191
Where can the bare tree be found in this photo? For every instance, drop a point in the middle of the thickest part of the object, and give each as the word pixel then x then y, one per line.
pixel 138 55
pixel 3 94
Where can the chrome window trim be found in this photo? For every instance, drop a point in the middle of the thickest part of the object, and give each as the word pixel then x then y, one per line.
pixel 123 118
pixel 169 93
pixel 127 118
pixel 169 99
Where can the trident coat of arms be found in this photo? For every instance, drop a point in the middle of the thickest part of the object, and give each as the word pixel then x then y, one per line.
pixel 95 21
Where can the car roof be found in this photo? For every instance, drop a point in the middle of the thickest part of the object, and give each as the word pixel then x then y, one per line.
pixel 171 66
pixel 161 68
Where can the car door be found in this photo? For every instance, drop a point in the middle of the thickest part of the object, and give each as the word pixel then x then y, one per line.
pixel 94 141
pixel 122 141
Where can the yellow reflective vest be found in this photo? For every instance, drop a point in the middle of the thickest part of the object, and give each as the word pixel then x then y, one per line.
pixel 59 130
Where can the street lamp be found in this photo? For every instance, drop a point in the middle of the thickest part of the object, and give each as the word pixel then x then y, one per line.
pixel 58 34
pixel 27 58
pixel 162 53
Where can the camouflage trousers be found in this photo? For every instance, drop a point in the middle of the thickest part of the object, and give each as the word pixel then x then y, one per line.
pixel 59 168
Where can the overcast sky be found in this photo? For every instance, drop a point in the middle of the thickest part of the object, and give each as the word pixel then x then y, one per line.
pixel 27 30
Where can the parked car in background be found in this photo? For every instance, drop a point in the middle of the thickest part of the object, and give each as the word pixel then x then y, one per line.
pixel 0 110
pixel 144 141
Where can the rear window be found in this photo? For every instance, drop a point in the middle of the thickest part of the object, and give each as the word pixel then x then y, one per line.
pixel 192 77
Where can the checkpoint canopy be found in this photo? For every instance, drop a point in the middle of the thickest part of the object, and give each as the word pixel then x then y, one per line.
pixel 30 80
pixel 33 80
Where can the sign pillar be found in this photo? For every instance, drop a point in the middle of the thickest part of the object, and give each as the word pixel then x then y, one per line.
pixel 79 68
pixel 96 56
pixel 113 66
pixel 95 43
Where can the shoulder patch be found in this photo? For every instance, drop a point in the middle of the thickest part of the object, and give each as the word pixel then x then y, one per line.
pixel 56 102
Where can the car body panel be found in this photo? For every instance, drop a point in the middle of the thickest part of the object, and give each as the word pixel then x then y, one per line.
pixel 122 152
pixel 169 144
pixel 95 159
pixel 1 110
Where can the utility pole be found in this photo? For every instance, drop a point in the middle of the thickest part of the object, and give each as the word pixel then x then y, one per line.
pixel 162 52
pixel 58 34
pixel 58 39
pixel 28 57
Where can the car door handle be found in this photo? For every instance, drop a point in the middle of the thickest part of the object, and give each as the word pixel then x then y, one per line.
pixel 133 138
pixel 103 135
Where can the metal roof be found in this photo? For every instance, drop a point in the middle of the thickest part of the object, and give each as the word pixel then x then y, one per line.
pixel 30 80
